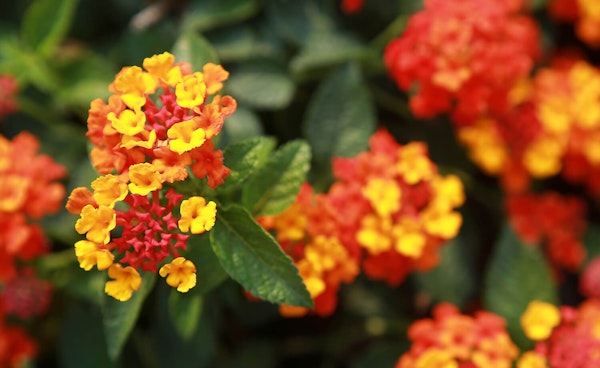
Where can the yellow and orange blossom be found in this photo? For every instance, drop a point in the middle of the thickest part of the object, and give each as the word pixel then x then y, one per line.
pixel 125 281
pixel 180 274
pixel 539 319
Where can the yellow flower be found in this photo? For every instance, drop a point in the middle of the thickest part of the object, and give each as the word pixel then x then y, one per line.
pixel 436 358
pixel 586 82
pixel 448 192
pixel 197 216
pixel 161 68
pixel 143 178
pixel 542 157
pixel 125 281
pixel 180 274
pixel 90 254
pixel 324 253
pixel 539 319
pixel 96 223
pixel 108 190
pixel 443 224
pixel 291 223
pixel 147 141
pixel 133 84
pixel 384 196
pixel 409 243
pixel 408 238
pixel 375 234
pixel 185 136
pixel 485 146
pixel 554 114
pixel 190 91
pixel 129 122
pixel 413 164
pixel 531 359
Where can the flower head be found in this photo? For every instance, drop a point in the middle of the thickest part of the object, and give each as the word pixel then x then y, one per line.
pixel 96 223
pixel 539 319
pixel 180 274
pixel 90 254
pixel 197 216
pixel 143 179
pixel 154 130
pixel 462 57
pixel 125 280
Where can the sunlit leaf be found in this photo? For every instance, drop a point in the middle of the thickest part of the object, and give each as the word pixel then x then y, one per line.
pixel 274 186
pixel 254 259
pixel 244 158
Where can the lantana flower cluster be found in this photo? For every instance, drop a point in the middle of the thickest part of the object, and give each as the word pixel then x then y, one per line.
pixel 473 59
pixel 552 129
pixel 451 339
pixel 463 57
pixel 551 220
pixel 397 212
pixel 565 337
pixel 154 131
pixel 29 190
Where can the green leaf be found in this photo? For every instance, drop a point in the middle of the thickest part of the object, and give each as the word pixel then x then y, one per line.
pixel 206 14
pixel 329 48
pixel 209 273
pixel 166 347
pixel 517 275
pixel 242 124
pixel 262 84
pixel 194 49
pixel 273 187
pixel 244 158
pixel 120 317
pixel 46 23
pixel 294 21
pixel 84 79
pixel 25 65
pixel 454 279
pixel 80 340
pixel 340 117
pixel 240 42
pixel 63 271
pixel 254 259
pixel 591 241
pixel 185 310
